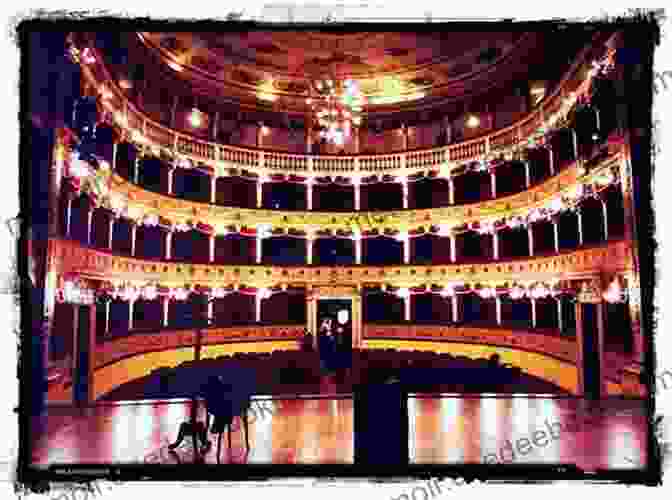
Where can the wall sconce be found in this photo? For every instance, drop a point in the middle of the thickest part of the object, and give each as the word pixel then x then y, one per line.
pixel 473 121
pixel 517 292
pixel 615 293
pixel 342 316
pixel 150 292
pixel 196 118
pixel 403 293
pixel 179 294
pixel 539 292
pixel 263 293
pixel 73 293
pixel 219 293
pixel 487 293
pixel 401 236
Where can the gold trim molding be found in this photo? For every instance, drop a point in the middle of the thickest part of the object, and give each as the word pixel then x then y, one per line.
pixel 68 257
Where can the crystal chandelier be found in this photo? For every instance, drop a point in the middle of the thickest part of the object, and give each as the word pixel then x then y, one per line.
pixel 338 108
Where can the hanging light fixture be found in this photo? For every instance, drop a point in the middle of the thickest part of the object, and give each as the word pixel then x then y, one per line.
pixel 337 106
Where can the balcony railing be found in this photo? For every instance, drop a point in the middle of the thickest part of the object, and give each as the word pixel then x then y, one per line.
pixel 266 162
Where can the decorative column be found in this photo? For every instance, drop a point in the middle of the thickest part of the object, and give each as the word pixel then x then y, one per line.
pixel 78 371
pixel 605 217
pixel 110 232
pixel 580 225
pixel 630 223
pixel 211 248
pixel 309 249
pixel 358 249
pixel 404 137
pixel 448 129
pixel 211 312
pixel 528 181
pixel 107 317
pixel 495 245
pixel 451 191
pixel 89 223
pixel 493 184
pixel 455 310
pixel 556 236
pixel 114 157
pixel 309 195
pixel 257 308
pixel 407 249
pixel 404 192
pixel 260 193
pixel 213 189
pixel 260 135
pixel 558 300
pixel 170 180
pixel 530 240
pixel 136 169
pixel 551 165
pixel 131 303
pixel 590 385
pixel 68 217
pixel 258 246
pixel 169 242
pixel 357 334
pixel 453 248
pixel 407 307
pixel 164 303
pixel 575 145
pixel 133 233
pixel 498 309
pixel 311 313
pixel 533 306
pixel 357 195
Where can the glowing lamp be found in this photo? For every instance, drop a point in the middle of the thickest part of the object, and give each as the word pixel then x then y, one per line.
pixel 473 121
pixel 195 118
pixel 150 292
pixel 517 292
pixel 614 293
pixel 342 316
pixel 403 293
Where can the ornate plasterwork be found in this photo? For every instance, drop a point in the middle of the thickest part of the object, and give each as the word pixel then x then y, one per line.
pixel 70 257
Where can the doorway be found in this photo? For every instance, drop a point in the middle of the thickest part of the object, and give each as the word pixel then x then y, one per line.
pixel 339 311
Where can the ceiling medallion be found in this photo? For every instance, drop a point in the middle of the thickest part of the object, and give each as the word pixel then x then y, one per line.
pixel 338 106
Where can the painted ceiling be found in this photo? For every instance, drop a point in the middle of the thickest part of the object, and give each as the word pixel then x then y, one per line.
pixel 389 67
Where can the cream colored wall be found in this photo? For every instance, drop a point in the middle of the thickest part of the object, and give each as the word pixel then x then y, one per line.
pixel 109 377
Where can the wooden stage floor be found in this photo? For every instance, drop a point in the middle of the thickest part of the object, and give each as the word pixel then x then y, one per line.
pixel 609 434
pixel 446 429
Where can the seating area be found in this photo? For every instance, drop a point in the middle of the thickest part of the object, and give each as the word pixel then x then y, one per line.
pixel 296 372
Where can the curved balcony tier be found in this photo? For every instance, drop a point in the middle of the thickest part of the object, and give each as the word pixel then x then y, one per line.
pixel 141 203
pixel 547 355
pixel 138 127
pixel 71 258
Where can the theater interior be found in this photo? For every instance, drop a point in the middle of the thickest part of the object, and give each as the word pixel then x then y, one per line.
pixel 383 246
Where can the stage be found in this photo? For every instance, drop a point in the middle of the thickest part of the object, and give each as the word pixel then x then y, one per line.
pixel 446 429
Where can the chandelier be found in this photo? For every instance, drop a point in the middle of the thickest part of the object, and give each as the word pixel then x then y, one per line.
pixel 337 107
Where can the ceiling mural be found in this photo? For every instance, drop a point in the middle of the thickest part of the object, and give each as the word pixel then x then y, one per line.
pixel 389 67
